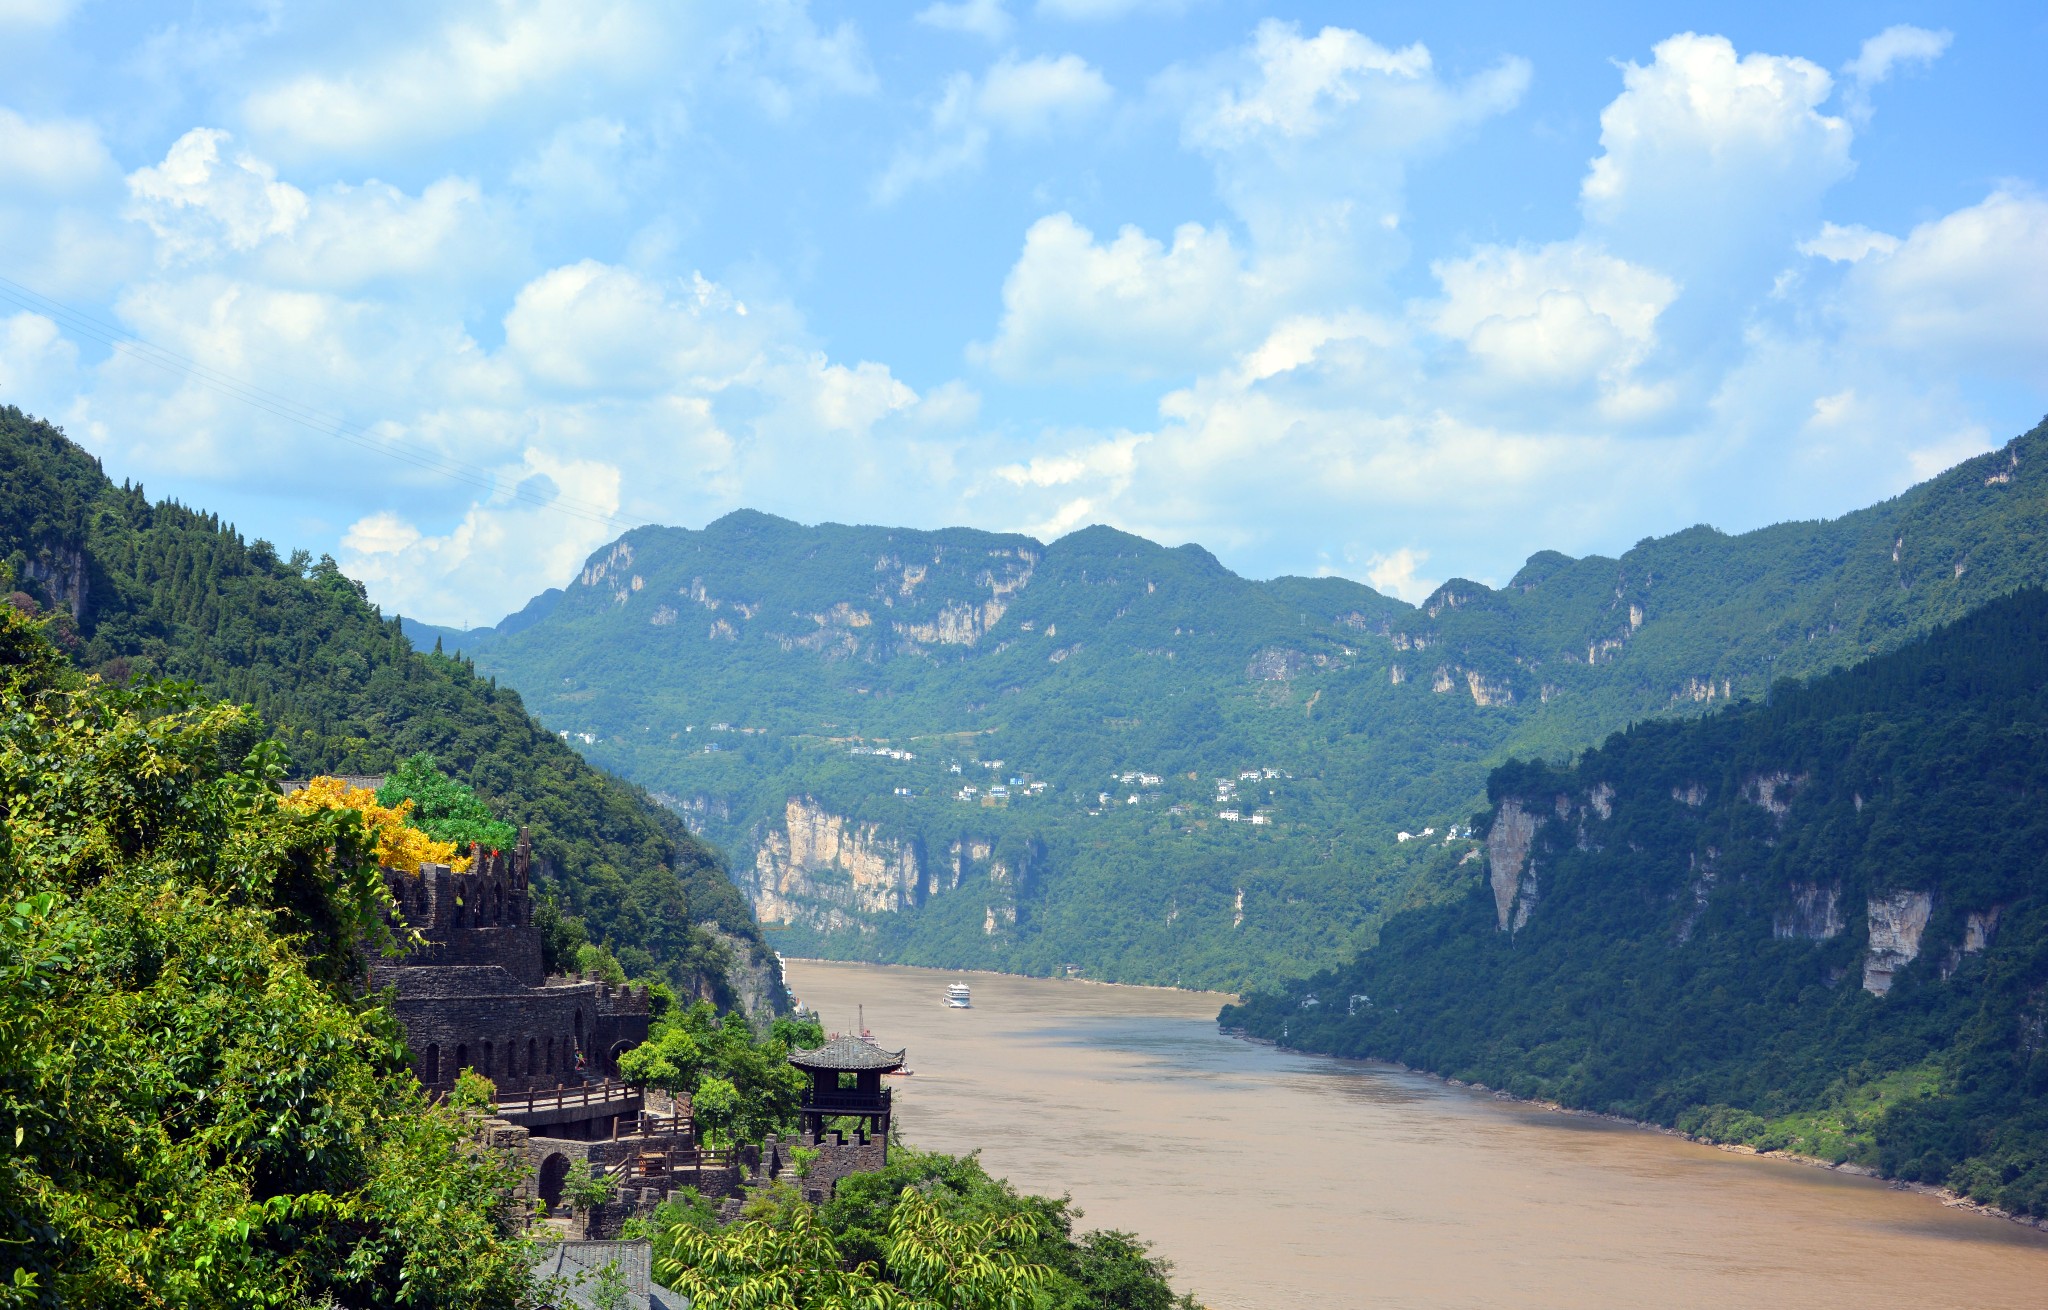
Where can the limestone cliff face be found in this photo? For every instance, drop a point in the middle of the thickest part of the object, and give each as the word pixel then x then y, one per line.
pixel 1507 850
pixel 825 869
pixel 831 872
pixel 1897 922
pixel 1815 913
pixel 62 573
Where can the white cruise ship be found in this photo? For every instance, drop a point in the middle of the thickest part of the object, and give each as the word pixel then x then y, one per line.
pixel 959 997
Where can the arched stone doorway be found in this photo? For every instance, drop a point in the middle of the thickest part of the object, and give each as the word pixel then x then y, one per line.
pixel 554 1171
pixel 430 1067
pixel 611 1057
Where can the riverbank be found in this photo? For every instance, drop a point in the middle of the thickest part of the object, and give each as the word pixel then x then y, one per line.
pixel 1278 1182
pixel 1948 1198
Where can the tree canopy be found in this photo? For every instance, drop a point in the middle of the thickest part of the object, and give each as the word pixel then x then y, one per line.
pixel 202 1111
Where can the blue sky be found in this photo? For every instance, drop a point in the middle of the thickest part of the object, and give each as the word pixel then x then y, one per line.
pixel 1398 291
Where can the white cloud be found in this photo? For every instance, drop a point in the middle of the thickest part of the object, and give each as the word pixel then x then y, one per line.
pixel 1027 98
pixel 783 58
pixel 57 154
pixel 1312 137
pixel 492 552
pixel 1393 573
pixel 1897 45
pixel 450 81
pixel 986 19
pixel 35 13
pixel 590 326
pixel 1074 307
pixel 1560 314
pixel 581 166
pixel 1095 11
pixel 1966 289
pixel 1034 96
pixel 1708 158
pixel 204 206
pixel 38 366
pixel 1847 244
pixel 197 202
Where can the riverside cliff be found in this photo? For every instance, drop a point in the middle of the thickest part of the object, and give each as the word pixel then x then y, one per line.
pixel 1214 771
pixel 1817 925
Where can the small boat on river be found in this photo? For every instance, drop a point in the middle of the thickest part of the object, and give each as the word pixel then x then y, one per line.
pixel 959 997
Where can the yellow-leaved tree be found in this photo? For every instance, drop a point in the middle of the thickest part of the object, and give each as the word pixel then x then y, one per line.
pixel 399 845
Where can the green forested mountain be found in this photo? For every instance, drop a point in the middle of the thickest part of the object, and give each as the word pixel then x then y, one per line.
pixel 805 695
pixel 1819 923
pixel 159 590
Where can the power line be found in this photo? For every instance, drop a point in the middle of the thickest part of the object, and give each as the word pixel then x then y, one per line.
pixel 116 338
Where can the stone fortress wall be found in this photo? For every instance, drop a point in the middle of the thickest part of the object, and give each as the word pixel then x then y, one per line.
pixel 473 993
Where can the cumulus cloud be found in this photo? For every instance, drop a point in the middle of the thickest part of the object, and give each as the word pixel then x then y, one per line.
pixel 1896 46
pixel 198 202
pixel 590 325
pixel 1967 289
pixel 1311 137
pixel 38 366
pixel 493 58
pixel 1847 244
pixel 1563 314
pixel 1708 157
pixel 205 202
pixel 1395 573
pixel 50 155
pixel 449 81
pixel 1028 98
pixel 490 553
pixel 986 19
pixel 1075 307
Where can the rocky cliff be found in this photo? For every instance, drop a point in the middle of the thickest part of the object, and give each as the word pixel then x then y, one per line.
pixel 1818 924
pixel 831 873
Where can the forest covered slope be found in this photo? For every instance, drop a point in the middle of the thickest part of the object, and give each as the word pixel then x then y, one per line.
pixel 967 748
pixel 157 590
pixel 1818 924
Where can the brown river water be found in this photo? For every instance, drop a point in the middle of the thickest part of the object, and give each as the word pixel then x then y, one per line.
pixel 1279 1180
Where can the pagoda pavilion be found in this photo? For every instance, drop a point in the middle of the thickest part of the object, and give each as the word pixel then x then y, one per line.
pixel 846 1082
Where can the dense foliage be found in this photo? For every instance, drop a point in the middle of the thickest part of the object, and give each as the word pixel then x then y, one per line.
pixel 443 808
pixel 198 1109
pixel 732 669
pixel 144 590
pixel 1700 903
pixel 930 1230
pixel 741 1086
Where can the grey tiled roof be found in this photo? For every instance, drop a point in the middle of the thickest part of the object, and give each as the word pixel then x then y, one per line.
pixel 847 1053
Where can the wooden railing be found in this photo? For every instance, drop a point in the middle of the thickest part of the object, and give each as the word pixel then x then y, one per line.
pixel 597 1098
pixel 664 1166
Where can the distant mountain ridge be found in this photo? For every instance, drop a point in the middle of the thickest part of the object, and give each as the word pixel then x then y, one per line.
pixel 1091 663
pixel 155 589
pixel 1819 924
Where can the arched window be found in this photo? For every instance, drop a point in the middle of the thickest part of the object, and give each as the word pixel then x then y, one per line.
pixel 486 1067
pixel 579 1027
pixel 532 1055
pixel 461 1058
pixel 430 1064
pixel 512 1058
pixel 551 1055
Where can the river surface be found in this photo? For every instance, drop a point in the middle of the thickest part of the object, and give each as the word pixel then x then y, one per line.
pixel 1276 1180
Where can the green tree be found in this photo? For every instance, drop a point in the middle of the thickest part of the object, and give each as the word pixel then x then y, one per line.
pixel 742 1086
pixel 201 1108
pixel 443 808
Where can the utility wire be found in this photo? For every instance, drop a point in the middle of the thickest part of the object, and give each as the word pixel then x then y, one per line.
pixel 81 323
